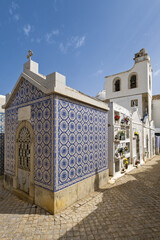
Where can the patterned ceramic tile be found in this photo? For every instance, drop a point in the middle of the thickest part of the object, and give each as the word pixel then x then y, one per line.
pixel 81 142
pixel 11 123
pixel 1 143
pixel 73 137
pixel 41 120
pixel 26 93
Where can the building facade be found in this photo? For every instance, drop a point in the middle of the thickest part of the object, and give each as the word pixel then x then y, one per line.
pixel 119 144
pixel 132 88
pixel 56 141
pixel 131 141
pixel 137 132
pixel 155 113
pixel 129 95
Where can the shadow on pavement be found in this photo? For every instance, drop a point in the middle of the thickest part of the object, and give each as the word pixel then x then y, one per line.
pixel 130 209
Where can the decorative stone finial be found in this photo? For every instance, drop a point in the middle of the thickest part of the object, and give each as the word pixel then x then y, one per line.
pixel 142 55
pixel 30 54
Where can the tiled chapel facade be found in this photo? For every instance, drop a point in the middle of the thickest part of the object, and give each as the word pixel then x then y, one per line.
pixel 55 143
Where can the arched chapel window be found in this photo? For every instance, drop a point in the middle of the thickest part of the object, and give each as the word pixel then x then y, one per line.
pixel 24 144
pixel 116 86
pixel 133 81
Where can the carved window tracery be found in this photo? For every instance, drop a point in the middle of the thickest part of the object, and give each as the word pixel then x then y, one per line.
pixel 24 145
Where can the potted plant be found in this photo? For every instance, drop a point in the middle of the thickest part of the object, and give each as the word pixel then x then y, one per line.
pixel 116 117
pixel 126 163
pixel 121 150
pixel 137 162
pixel 126 120
pixel 126 148
pixel 136 133
pixel 122 121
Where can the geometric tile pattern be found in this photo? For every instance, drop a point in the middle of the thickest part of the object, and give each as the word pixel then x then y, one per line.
pixel 41 120
pixel 26 93
pixel 11 123
pixel 78 147
pixel 2 143
pixel 80 142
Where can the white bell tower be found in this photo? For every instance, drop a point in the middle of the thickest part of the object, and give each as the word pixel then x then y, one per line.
pixel 132 88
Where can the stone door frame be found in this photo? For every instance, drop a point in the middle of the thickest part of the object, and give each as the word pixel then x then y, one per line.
pixel 31 194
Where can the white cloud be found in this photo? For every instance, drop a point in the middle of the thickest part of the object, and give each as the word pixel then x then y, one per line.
pixel 27 29
pixel 98 72
pixel 50 36
pixel 16 17
pixel 62 48
pixel 80 42
pixel 14 5
pixel 156 73
pixel 74 42
pixel 12 11
pixel 55 5
pixel 38 40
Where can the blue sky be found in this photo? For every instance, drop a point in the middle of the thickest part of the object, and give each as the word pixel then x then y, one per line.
pixel 82 39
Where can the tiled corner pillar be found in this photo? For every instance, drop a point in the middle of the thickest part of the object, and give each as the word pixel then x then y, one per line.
pixel 81 150
pixel 2 117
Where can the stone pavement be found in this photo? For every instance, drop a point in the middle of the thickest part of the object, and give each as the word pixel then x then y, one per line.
pixel 127 209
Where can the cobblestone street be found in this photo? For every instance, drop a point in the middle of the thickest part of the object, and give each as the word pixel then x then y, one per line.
pixel 127 209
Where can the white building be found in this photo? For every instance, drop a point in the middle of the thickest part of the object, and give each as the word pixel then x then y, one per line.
pixel 131 141
pixel 155 113
pixel 119 144
pixel 133 87
pixel 129 94
pixel 137 138
pixel 2 102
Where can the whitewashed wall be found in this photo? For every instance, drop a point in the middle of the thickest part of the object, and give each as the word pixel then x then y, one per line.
pixel 2 102
pixel 126 102
pixel 142 71
pixel 155 112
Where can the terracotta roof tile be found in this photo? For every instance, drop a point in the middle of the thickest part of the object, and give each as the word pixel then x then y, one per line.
pixel 156 97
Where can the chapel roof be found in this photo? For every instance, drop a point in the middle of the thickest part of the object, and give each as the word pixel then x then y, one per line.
pixel 52 83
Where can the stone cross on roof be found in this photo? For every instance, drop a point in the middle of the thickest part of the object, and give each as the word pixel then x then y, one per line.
pixel 30 54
